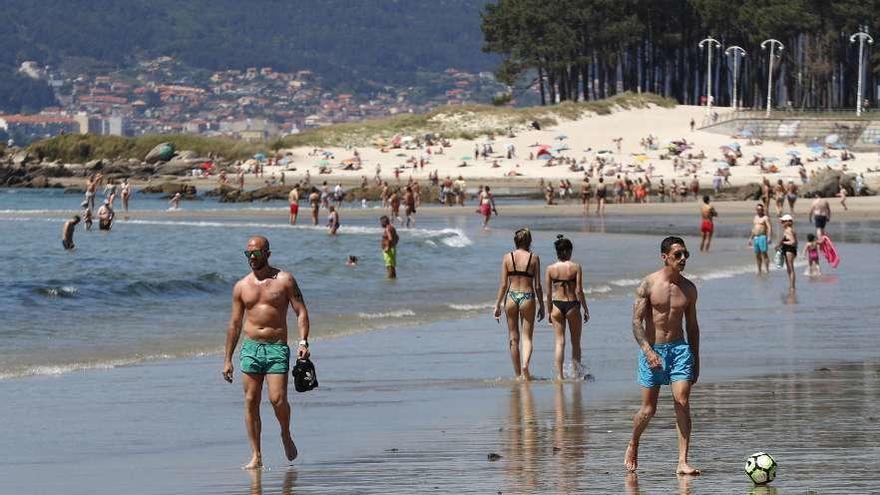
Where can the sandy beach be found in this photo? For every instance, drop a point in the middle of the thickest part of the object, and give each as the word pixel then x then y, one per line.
pixel 583 140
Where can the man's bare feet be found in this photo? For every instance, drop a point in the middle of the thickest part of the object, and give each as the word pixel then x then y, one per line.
pixel 289 447
pixel 685 468
pixel 526 376
pixel 256 463
pixel 631 458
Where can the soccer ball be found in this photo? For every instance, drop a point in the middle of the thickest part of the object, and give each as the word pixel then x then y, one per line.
pixel 761 468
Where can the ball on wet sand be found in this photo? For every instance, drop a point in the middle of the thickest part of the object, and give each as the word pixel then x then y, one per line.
pixel 761 468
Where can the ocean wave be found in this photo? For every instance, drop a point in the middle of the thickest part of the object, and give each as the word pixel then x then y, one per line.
pixel 471 307
pixel 598 289
pixel 625 282
pixel 454 238
pixel 725 273
pixel 95 365
pixel 401 313
pixel 59 291
pixel 205 283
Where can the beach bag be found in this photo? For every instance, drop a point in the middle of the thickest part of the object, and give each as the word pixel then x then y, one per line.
pixel 778 259
pixel 305 377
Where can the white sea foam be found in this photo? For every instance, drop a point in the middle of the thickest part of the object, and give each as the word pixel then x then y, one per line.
pixel 402 313
pixel 471 307
pixel 598 289
pixel 97 365
pixel 625 282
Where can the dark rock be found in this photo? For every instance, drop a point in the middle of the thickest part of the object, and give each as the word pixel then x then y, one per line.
pixel 179 167
pixel 493 456
pixel 22 157
pixel 171 188
pixel 222 191
pixel 186 155
pixel 96 165
pixel 827 184
pixel 741 193
pixel 162 152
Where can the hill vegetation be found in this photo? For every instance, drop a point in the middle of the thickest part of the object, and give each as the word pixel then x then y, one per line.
pixel 462 122
pixel 349 44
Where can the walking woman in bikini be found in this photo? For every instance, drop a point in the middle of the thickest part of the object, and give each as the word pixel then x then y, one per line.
pixel 518 294
pixel 565 298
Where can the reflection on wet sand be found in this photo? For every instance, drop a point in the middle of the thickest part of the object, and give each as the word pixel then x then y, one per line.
pixel 286 487
pixel 545 449
pixel 631 484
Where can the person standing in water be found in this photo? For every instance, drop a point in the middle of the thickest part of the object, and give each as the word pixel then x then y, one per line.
pixel 389 245
pixel 518 292
pixel 759 239
pixel 126 194
pixel 565 298
pixel 707 227
pixel 409 206
pixel 820 214
pixel 315 203
pixel 788 245
pixel 333 220
pixel 487 206
pixel 261 299
pixel 293 202
pixel 67 232
pixel 664 300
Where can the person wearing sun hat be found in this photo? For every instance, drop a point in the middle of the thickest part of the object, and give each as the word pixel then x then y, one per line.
pixel 788 246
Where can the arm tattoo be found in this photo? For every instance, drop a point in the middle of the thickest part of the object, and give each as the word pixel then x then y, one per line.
pixel 297 294
pixel 639 308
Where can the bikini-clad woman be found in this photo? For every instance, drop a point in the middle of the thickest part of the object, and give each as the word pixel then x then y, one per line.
pixel 519 291
pixel 565 298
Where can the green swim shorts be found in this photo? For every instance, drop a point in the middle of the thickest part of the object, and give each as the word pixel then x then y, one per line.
pixel 264 357
pixel 390 257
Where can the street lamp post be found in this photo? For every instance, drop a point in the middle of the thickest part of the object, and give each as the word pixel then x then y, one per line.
pixel 711 43
pixel 737 53
pixel 862 36
pixel 773 43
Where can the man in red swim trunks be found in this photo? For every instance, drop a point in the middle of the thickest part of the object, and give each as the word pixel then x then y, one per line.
pixel 487 206
pixel 293 199
pixel 707 226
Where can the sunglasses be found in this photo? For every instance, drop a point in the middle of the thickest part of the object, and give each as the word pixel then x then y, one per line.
pixel 257 253
pixel 681 254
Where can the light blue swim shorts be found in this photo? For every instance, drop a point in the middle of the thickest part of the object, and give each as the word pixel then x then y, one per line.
pixel 677 360
pixel 760 244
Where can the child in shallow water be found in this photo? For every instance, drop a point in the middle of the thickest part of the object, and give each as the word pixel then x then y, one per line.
pixel 811 253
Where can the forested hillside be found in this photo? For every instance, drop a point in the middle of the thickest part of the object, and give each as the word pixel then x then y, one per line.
pixel 385 41
pixel 594 48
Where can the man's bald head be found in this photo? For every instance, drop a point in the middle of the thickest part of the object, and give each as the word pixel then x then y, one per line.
pixel 258 242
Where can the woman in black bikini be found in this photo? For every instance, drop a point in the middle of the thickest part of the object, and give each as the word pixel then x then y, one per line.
pixel 518 294
pixel 565 297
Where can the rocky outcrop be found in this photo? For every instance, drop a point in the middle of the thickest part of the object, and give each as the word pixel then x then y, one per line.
pixel 169 189
pixel 827 184
pixel 162 152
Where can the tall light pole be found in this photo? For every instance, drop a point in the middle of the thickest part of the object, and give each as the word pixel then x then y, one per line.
pixel 737 53
pixel 709 42
pixel 862 36
pixel 772 42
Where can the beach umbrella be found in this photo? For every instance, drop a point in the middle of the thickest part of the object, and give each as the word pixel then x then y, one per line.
pixel 771 159
pixel 727 150
pixel 832 138
pixel 793 153
pixel 747 133
pixel 543 147
pixel 260 157
pixel 832 161
pixel 734 145
pixel 466 158
pixel 509 146
pixel 721 164
pixel 545 156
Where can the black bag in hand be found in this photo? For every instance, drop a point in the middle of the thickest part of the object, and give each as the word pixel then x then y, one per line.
pixel 304 376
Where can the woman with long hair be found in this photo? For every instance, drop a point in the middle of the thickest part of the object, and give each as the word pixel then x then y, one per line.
pixel 518 294
pixel 565 298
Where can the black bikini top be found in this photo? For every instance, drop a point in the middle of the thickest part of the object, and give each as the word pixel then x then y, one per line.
pixel 518 272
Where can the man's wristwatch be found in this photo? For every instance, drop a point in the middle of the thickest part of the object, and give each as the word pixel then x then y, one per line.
pixel 304 343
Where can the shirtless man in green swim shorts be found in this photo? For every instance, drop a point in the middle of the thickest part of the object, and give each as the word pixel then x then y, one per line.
pixel 664 300
pixel 261 300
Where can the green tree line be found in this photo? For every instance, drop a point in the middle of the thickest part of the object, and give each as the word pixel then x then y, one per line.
pixel 591 49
